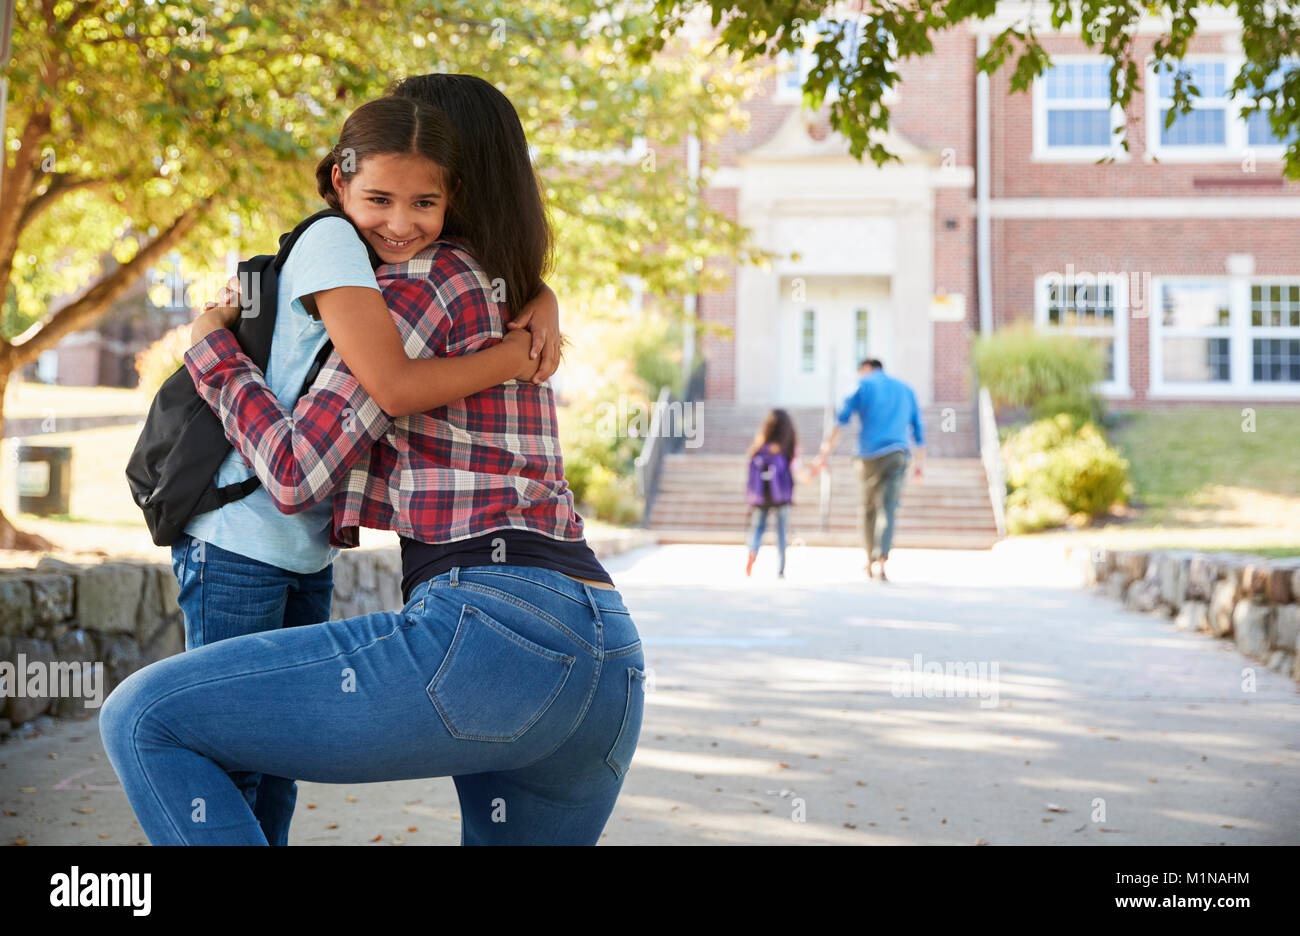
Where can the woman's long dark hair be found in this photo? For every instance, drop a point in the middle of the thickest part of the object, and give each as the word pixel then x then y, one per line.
pixel 778 428
pixel 498 209
pixel 390 126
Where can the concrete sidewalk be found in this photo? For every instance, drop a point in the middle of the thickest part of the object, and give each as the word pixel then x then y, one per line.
pixel 779 713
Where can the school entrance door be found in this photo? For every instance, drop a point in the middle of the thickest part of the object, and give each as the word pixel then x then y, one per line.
pixel 829 324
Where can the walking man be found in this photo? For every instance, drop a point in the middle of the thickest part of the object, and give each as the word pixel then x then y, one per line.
pixel 886 408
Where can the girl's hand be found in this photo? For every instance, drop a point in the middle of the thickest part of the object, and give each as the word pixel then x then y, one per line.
pixel 541 317
pixel 223 313
pixel 528 365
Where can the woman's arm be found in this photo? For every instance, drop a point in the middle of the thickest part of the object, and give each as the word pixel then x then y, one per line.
pixel 300 456
pixel 366 338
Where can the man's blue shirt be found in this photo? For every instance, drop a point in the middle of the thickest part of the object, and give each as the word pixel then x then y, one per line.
pixel 885 408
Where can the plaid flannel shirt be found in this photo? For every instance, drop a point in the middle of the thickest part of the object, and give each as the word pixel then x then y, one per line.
pixel 487 462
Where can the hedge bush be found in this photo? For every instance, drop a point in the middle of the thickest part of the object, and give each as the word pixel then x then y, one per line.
pixel 1058 462
pixel 1045 374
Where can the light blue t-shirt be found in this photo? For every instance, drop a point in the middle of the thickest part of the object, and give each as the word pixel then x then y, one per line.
pixel 886 408
pixel 327 255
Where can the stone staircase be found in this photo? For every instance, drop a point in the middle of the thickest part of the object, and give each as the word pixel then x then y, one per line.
pixel 701 491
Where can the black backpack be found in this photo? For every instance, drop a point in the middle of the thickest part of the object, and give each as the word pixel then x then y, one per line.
pixel 173 468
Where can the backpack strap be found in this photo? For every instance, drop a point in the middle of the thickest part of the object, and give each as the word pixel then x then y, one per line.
pixel 287 240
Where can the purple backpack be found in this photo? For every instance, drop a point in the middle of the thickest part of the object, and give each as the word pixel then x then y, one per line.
pixel 773 468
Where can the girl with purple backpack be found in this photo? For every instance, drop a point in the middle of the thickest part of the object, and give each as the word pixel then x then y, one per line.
pixel 773 466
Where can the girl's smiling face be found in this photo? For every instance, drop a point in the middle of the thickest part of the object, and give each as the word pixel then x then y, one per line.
pixel 398 200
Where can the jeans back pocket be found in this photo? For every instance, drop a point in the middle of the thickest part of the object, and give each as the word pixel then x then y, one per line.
pixel 620 755
pixel 494 684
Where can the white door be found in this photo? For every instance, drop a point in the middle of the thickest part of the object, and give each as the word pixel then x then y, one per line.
pixel 827 327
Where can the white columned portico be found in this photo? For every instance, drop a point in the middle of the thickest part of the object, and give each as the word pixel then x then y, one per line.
pixel 853 274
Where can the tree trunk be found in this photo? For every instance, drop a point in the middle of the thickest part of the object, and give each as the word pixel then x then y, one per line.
pixel 78 314
pixel 10 536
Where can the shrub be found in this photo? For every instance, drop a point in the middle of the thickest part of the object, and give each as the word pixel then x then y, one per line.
pixel 1028 513
pixel 1053 462
pixel 1022 367
pixel 162 358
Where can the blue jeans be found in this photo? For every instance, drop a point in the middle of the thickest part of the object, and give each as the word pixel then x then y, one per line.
pixel 525 686
pixel 758 526
pixel 225 595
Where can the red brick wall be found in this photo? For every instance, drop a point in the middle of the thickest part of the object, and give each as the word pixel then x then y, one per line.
pixel 1026 249
pixel 1014 175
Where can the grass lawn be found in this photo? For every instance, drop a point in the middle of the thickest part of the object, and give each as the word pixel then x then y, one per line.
pixel 1180 456
pixel 1204 482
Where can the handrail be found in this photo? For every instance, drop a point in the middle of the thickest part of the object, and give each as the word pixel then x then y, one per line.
pixel 991 455
pixel 649 461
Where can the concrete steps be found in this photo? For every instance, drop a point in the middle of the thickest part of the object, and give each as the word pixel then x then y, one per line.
pixel 701 498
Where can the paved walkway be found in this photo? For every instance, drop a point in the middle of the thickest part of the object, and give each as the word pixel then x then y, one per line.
pixel 776 716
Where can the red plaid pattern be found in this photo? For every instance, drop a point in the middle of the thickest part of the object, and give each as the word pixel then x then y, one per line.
pixel 487 462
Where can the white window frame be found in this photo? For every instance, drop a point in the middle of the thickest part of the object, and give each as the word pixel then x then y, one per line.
pixel 1117 388
pixel 861 343
pixel 1236 138
pixel 1042 151
pixel 1283 332
pixel 800 63
pixel 808 356
pixel 1241 383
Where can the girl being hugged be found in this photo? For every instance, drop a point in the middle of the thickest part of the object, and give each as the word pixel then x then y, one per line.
pixel 514 665
pixel 248 568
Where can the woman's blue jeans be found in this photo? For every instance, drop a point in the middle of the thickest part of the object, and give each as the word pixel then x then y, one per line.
pixel 525 686
pixel 224 595
pixel 758 526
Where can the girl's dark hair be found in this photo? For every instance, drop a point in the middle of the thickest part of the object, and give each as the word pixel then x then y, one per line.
pixel 777 428
pixel 498 210
pixel 391 126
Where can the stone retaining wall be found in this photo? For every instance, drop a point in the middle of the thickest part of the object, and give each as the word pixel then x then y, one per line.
pixel 1247 599
pixel 123 615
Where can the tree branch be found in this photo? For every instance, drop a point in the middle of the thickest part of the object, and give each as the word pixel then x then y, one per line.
pixel 61 184
pixel 84 310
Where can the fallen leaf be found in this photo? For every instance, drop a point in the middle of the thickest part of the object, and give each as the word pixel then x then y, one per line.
pixel 351 799
pixel 104 835
pixel 782 764
pixel 332 825
pixel 29 789
pixel 412 829
pixel 377 838
pixel 84 810
pixel 849 825
pixel 980 842
pixel 1052 807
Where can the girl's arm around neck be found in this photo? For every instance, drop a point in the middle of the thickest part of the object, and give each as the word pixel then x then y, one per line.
pixel 366 338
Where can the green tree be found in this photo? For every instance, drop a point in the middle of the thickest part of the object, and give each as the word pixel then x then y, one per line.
pixel 854 51
pixel 137 129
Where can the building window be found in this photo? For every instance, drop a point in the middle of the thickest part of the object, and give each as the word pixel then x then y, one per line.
pixel 1275 332
pixel 1073 114
pixel 1207 124
pixel 796 66
pixel 1213 129
pixel 860 352
pixel 1195 324
pixel 1225 336
pixel 1093 307
pixel 808 341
